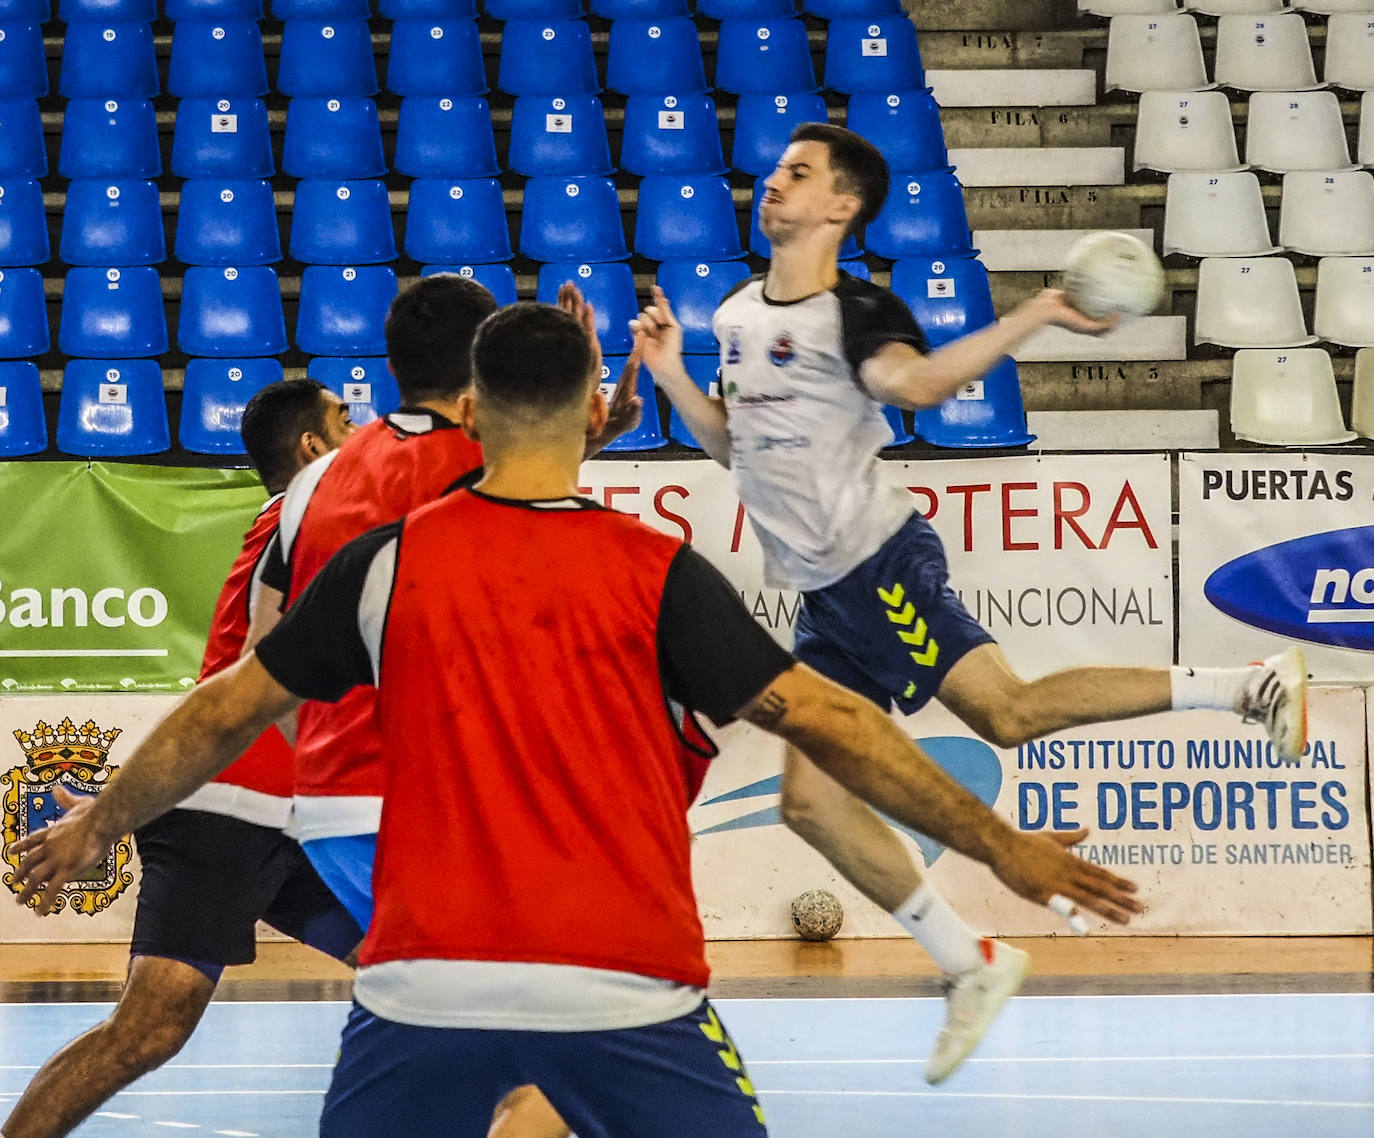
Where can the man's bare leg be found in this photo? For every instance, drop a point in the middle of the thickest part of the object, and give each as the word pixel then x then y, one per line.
pixel 162 1002
pixel 526 1113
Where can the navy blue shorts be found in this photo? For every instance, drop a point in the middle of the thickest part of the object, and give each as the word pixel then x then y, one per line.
pixel 892 628
pixel 679 1079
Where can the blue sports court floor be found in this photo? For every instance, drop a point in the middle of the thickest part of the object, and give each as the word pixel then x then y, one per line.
pixel 1258 1066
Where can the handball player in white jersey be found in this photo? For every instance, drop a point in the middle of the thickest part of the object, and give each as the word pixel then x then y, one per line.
pixel 809 356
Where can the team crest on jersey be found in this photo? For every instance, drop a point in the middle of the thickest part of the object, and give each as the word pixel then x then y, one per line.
pixel 75 758
pixel 782 351
pixel 732 348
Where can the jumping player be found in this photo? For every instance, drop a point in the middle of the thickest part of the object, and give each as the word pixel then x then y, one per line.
pixel 219 862
pixel 809 355
pixel 516 806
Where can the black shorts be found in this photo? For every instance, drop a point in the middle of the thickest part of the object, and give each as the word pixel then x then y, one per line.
pixel 208 879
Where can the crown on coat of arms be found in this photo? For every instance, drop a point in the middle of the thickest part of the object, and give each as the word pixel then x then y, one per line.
pixel 67 745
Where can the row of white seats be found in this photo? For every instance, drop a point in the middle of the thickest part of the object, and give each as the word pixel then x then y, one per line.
pixel 1285 131
pixel 1253 302
pixel 1218 7
pixel 1221 214
pixel 1288 397
pixel 1254 53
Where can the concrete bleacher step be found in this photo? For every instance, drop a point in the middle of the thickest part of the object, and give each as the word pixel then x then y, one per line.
pixel 1039 165
pixel 1144 430
pixel 1032 250
pixel 1148 338
pixel 1048 87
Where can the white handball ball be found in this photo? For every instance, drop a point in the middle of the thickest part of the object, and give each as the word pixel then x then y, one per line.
pixel 1109 273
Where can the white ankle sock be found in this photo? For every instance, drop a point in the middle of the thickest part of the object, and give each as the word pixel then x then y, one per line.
pixel 939 930
pixel 1219 688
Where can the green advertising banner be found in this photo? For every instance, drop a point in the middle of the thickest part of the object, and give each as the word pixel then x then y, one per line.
pixel 109 573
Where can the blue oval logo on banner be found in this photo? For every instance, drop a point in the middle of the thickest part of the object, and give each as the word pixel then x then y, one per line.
pixel 1319 588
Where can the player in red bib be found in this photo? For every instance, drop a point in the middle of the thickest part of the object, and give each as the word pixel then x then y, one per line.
pixel 219 862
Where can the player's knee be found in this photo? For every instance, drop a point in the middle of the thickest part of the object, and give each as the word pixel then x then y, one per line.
pixel 1007 725
pixel 802 811
pixel 159 1044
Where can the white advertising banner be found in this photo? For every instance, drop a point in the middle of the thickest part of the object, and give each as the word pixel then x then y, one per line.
pixel 1066 559
pixel 1273 549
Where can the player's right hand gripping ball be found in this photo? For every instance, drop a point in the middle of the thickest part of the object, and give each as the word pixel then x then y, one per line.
pixel 1108 273
pixel 817 915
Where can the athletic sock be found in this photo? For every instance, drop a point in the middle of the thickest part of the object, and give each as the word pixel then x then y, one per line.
pixel 938 929
pixel 1220 688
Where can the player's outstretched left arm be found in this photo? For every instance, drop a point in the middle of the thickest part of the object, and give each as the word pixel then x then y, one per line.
pixel 207 731
pixel 902 376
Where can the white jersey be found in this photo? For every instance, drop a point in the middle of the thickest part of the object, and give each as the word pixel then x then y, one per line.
pixel 804 434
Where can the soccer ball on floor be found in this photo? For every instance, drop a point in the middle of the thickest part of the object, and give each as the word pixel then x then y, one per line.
pixel 1108 273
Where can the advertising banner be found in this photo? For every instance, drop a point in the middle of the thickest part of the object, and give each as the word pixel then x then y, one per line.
pixel 109 573
pixel 1273 549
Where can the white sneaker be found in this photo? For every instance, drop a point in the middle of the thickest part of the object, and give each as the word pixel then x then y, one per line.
pixel 975 997
pixel 1276 696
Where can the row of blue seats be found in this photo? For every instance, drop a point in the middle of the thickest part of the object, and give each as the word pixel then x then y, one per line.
pixel 213 60
pixel 448 138
pixel 447 222
pixel 76 11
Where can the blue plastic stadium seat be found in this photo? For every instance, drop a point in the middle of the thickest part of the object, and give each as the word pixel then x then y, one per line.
pixel 366 385
pixel 342 223
pixel 680 218
pixel 987 413
pixel 428 9
pixel 764 122
pixel 105 11
pixel 23 427
pixel 23 314
pixel 695 290
pixel 436 57
pixel 841 9
pixel 225 221
pixel 343 310
pixel 217 60
pixel 923 216
pixel 608 286
pixel 112 223
pixel 110 314
pixel 649 434
pixel 560 135
pixel 873 54
pixel 23 224
pixel 949 298
pixel 746 9
pixel 327 59
pixel 572 219
pixel 22 152
pixel 333 138
pixel 499 280
pixel 23 64
pixel 451 221
pixel 858 269
pixel 551 57
pixel 896 420
pixel 103 61
pixel 653 57
pixel 764 55
pixel 213 398
pixel 112 408
pixel 671 134
pixel 222 138
pixel 639 9
pixel 705 372
pixel 445 138
pixel 15 11
pixel 178 10
pixel 321 10
pixel 110 138
pixel 761 246
pixel 533 9
pixel 231 312
pixel 904 125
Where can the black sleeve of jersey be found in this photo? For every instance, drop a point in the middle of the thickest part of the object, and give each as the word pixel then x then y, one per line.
pixel 714 656
pixel 872 316
pixel 317 650
pixel 276 574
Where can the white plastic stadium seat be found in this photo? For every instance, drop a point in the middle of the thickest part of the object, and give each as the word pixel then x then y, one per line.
pixel 1127 7
pixel 1328 214
pixel 1249 302
pixel 1345 301
pixel 1296 130
pixel 1155 53
pixel 1185 130
pixel 1231 7
pixel 1350 49
pixel 1362 399
pixel 1286 397
pixel 1264 53
pixel 1330 7
pixel 1216 215
pixel 1366 150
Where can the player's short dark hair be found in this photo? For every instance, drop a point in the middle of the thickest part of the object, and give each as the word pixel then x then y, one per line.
pixel 272 422
pixel 531 359
pixel 429 330
pixel 859 166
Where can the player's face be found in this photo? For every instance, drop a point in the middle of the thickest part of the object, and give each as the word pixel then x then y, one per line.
pixel 337 424
pixel 800 197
